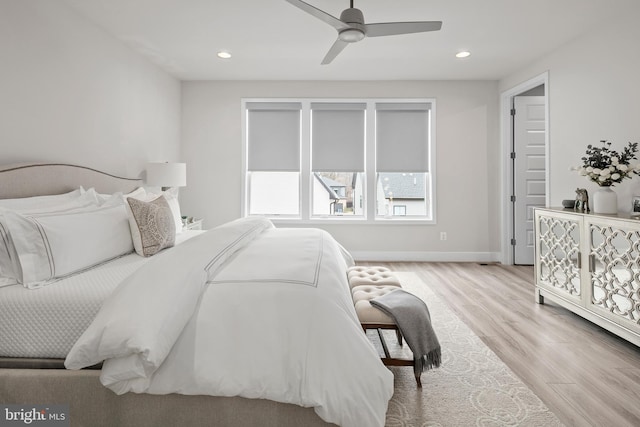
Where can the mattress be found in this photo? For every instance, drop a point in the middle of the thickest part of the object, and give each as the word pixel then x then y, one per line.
pixel 46 322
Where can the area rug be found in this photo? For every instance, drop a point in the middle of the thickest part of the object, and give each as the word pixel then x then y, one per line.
pixel 473 387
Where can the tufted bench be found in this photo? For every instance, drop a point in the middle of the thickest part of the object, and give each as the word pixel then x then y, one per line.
pixel 366 284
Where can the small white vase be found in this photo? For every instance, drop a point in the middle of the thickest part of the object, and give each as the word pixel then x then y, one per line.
pixel 605 201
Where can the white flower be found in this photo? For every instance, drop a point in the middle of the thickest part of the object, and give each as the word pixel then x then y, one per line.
pixel 611 168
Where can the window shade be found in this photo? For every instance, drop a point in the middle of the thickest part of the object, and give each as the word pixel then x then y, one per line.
pixel 402 137
pixel 273 135
pixel 337 137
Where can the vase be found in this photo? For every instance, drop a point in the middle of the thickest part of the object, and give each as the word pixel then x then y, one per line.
pixel 605 201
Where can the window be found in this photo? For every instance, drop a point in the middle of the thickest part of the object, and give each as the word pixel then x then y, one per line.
pixel 363 159
pixel 273 158
pixel 335 193
pixel 274 193
pixel 337 157
pixel 399 210
pixel 402 159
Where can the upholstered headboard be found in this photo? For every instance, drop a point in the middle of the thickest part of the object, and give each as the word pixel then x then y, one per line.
pixel 38 179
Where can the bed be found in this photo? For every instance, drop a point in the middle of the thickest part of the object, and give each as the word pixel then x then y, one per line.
pixel 244 324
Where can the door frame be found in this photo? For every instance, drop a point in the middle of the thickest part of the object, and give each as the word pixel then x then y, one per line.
pixel 506 138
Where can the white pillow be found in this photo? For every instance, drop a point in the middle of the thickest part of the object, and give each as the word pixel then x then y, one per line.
pixel 51 246
pixel 39 202
pixel 109 198
pixel 8 268
pixel 9 264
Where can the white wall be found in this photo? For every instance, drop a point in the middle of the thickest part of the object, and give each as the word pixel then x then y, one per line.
pixel 69 92
pixel 594 94
pixel 467 177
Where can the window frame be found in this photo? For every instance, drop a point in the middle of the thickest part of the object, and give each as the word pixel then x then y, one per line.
pixel 370 173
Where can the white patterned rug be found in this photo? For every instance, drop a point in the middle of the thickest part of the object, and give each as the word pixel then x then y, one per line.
pixel 473 387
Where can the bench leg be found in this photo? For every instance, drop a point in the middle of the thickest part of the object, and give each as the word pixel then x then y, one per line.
pixel 417 373
pixel 390 361
pixel 384 344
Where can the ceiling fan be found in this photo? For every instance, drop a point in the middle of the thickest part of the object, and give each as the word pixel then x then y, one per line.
pixel 351 27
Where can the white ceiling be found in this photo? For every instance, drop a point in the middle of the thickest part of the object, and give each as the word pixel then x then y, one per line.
pixel 273 40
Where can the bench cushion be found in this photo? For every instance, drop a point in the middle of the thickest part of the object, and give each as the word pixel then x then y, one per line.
pixel 378 276
pixel 366 312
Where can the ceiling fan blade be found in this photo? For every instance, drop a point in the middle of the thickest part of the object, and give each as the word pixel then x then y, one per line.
pixel 394 28
pixel 337 47
pixel 320 14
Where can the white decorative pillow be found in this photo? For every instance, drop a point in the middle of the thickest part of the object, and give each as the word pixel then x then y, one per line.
pixel 51 246
pixel 172 198
pixel 152 225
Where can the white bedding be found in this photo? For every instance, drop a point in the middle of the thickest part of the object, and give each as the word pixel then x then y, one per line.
pixel 243 310
pixel 46 322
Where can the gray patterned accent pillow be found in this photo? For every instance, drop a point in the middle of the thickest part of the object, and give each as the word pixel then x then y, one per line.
pixel 152 225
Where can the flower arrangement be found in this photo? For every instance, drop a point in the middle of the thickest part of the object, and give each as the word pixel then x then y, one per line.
pixel 607 167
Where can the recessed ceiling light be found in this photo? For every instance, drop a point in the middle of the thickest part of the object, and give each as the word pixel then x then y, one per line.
pixel 224 54
pixel 462 54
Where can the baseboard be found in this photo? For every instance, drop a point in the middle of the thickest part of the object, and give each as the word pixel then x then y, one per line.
pixel 426 256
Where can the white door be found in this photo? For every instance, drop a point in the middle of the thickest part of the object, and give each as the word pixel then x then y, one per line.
pixel 529 130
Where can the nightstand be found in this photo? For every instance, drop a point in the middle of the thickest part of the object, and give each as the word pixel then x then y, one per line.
pixel 192 224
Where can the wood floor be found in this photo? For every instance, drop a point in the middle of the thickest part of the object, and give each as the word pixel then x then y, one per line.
pixel 584 374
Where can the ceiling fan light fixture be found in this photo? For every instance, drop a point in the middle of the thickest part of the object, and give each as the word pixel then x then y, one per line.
pixel 463 54
pixel 223 54
pixel 351 35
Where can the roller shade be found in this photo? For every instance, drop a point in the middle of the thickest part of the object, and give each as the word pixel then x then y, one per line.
pixel 337 137
pixel 273 135
pixel 402 137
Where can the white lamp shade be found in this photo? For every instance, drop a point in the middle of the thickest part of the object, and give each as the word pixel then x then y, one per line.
pixel 167 174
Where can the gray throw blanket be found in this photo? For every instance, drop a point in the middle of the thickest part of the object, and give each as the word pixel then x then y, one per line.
pixel 414 321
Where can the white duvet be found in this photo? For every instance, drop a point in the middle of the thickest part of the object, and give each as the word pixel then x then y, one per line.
pixel 244 310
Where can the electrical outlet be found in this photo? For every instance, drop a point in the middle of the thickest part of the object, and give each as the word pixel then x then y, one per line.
pixel 443 235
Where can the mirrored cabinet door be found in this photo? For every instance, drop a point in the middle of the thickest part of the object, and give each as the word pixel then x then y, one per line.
pixel 614 258
pixel 558 258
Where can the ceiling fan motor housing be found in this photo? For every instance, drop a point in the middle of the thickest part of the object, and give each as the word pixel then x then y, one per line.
pixel 355 19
